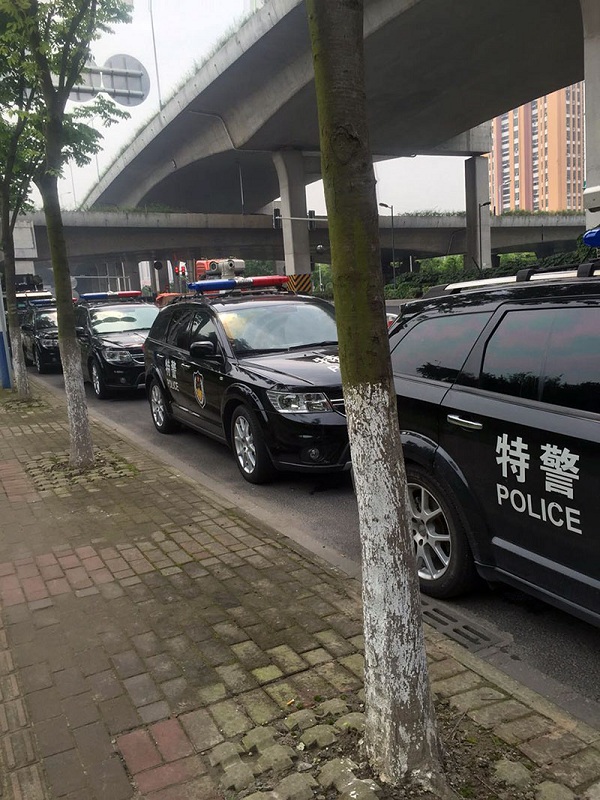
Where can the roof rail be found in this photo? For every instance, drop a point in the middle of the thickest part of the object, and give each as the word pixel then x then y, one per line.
pixel 588 269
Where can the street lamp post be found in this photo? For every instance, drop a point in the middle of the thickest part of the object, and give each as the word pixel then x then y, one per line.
pixel 391 208
pixel 480 206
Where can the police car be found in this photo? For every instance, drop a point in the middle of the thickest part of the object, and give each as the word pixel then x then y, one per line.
pixel 111 328
pixel 39 333
pixel 498 385
pixel 256 367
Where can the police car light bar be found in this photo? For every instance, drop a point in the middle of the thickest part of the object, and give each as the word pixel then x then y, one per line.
pixel 592 237
pixel 238 283
pixel 50 301
pixel 108 295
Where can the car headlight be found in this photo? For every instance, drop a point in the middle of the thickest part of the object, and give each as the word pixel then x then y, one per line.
pixel 299 403
pixel 49 343
pixel 117 356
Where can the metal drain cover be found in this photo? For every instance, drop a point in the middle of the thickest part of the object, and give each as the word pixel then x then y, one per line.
pixel 461 628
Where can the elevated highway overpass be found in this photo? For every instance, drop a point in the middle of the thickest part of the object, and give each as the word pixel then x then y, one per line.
pixel 96 237
pixel 434 69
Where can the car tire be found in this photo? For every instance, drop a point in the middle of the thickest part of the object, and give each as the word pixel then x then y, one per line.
pixel 97 379
pixel 249 448
pixel 38 363
pixel 159 408
pixel 444 559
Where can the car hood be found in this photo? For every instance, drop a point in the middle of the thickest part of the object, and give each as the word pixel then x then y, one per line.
pixel 47 333
pixel 124 339
pixel 317 366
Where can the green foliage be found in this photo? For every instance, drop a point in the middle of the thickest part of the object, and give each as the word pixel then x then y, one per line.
pixel 450 269
pixel 254 268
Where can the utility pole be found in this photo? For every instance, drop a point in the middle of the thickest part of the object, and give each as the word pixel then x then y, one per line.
pixel 391 208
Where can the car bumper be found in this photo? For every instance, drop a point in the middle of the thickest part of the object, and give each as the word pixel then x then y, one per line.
pixel 49 357
pixel 307 442
pixel 124 377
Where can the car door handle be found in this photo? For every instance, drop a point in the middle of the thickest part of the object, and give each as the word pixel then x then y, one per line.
pixel 468 424
pixel 187 366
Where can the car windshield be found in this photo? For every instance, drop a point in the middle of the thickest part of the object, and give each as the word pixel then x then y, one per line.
pixel 47 319
pixel 278 326
pixel 117 319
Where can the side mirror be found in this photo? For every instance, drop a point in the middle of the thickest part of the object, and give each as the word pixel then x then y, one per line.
pixel 79 330
pixel 203 349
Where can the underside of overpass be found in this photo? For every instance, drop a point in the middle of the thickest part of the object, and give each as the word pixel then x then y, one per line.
pixel 434 69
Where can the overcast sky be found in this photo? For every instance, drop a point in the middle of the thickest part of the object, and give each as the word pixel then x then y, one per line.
pixel 185 31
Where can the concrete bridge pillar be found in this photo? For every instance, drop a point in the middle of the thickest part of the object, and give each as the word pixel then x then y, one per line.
pixel 296 246
pixel 131 272
pixel 590 12
pixel 477 190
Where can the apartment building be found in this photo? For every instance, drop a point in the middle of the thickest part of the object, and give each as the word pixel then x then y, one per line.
pixel 537 158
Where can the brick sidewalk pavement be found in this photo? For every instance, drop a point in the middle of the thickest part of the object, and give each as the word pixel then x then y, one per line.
pixel 157 643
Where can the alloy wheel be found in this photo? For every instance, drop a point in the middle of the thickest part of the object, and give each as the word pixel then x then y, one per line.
pixel 157 406
pixel 243 442
pixel 431 533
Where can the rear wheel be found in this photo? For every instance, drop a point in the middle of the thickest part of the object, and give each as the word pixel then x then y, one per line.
pixel 249 447
pixel 161 416
pixel 98 383
pixel 444 559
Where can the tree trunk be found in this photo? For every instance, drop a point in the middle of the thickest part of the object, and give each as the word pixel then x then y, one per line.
pixel 401 735
pixel 8 248
pixel 82 451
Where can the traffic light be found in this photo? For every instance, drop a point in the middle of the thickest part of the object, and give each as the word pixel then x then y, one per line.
pixel 277 222
pixel 176 269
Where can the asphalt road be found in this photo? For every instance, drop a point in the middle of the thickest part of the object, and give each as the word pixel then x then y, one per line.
pixel 545 649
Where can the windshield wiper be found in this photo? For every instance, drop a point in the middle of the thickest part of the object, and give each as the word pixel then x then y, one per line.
pixel 320 344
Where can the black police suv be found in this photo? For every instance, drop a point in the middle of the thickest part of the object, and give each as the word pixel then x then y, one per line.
pixel 111 328
pixel 39 334
pixel 255 367
pixel 498 386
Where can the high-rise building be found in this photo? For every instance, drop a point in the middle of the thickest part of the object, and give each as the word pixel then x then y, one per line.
pixel 537 158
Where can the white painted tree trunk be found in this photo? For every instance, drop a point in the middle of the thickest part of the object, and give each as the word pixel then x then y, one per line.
pixel 80 438
pixel 20 373
pixel 401 736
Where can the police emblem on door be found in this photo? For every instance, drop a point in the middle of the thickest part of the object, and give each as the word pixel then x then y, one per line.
pixel 199 389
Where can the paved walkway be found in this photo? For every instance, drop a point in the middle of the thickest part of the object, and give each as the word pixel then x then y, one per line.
pixel 157 643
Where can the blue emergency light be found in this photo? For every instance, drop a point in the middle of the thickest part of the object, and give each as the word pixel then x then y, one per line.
pixel 592 237
pixel 223 284
pixel 47 302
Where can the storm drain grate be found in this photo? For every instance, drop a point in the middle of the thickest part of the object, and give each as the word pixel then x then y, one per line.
pixel 457 626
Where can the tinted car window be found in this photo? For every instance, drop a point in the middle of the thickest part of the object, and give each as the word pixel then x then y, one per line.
pixel 159 326
pixel 572 369
pixel 178 331
pixel 513 356
pixel 203 328
pixel 437 348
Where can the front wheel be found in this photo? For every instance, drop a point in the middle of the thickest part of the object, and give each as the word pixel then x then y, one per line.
pixel 161 416
pixel 37 362
pixel 98 383
pixel 249 447
pixel 444 559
